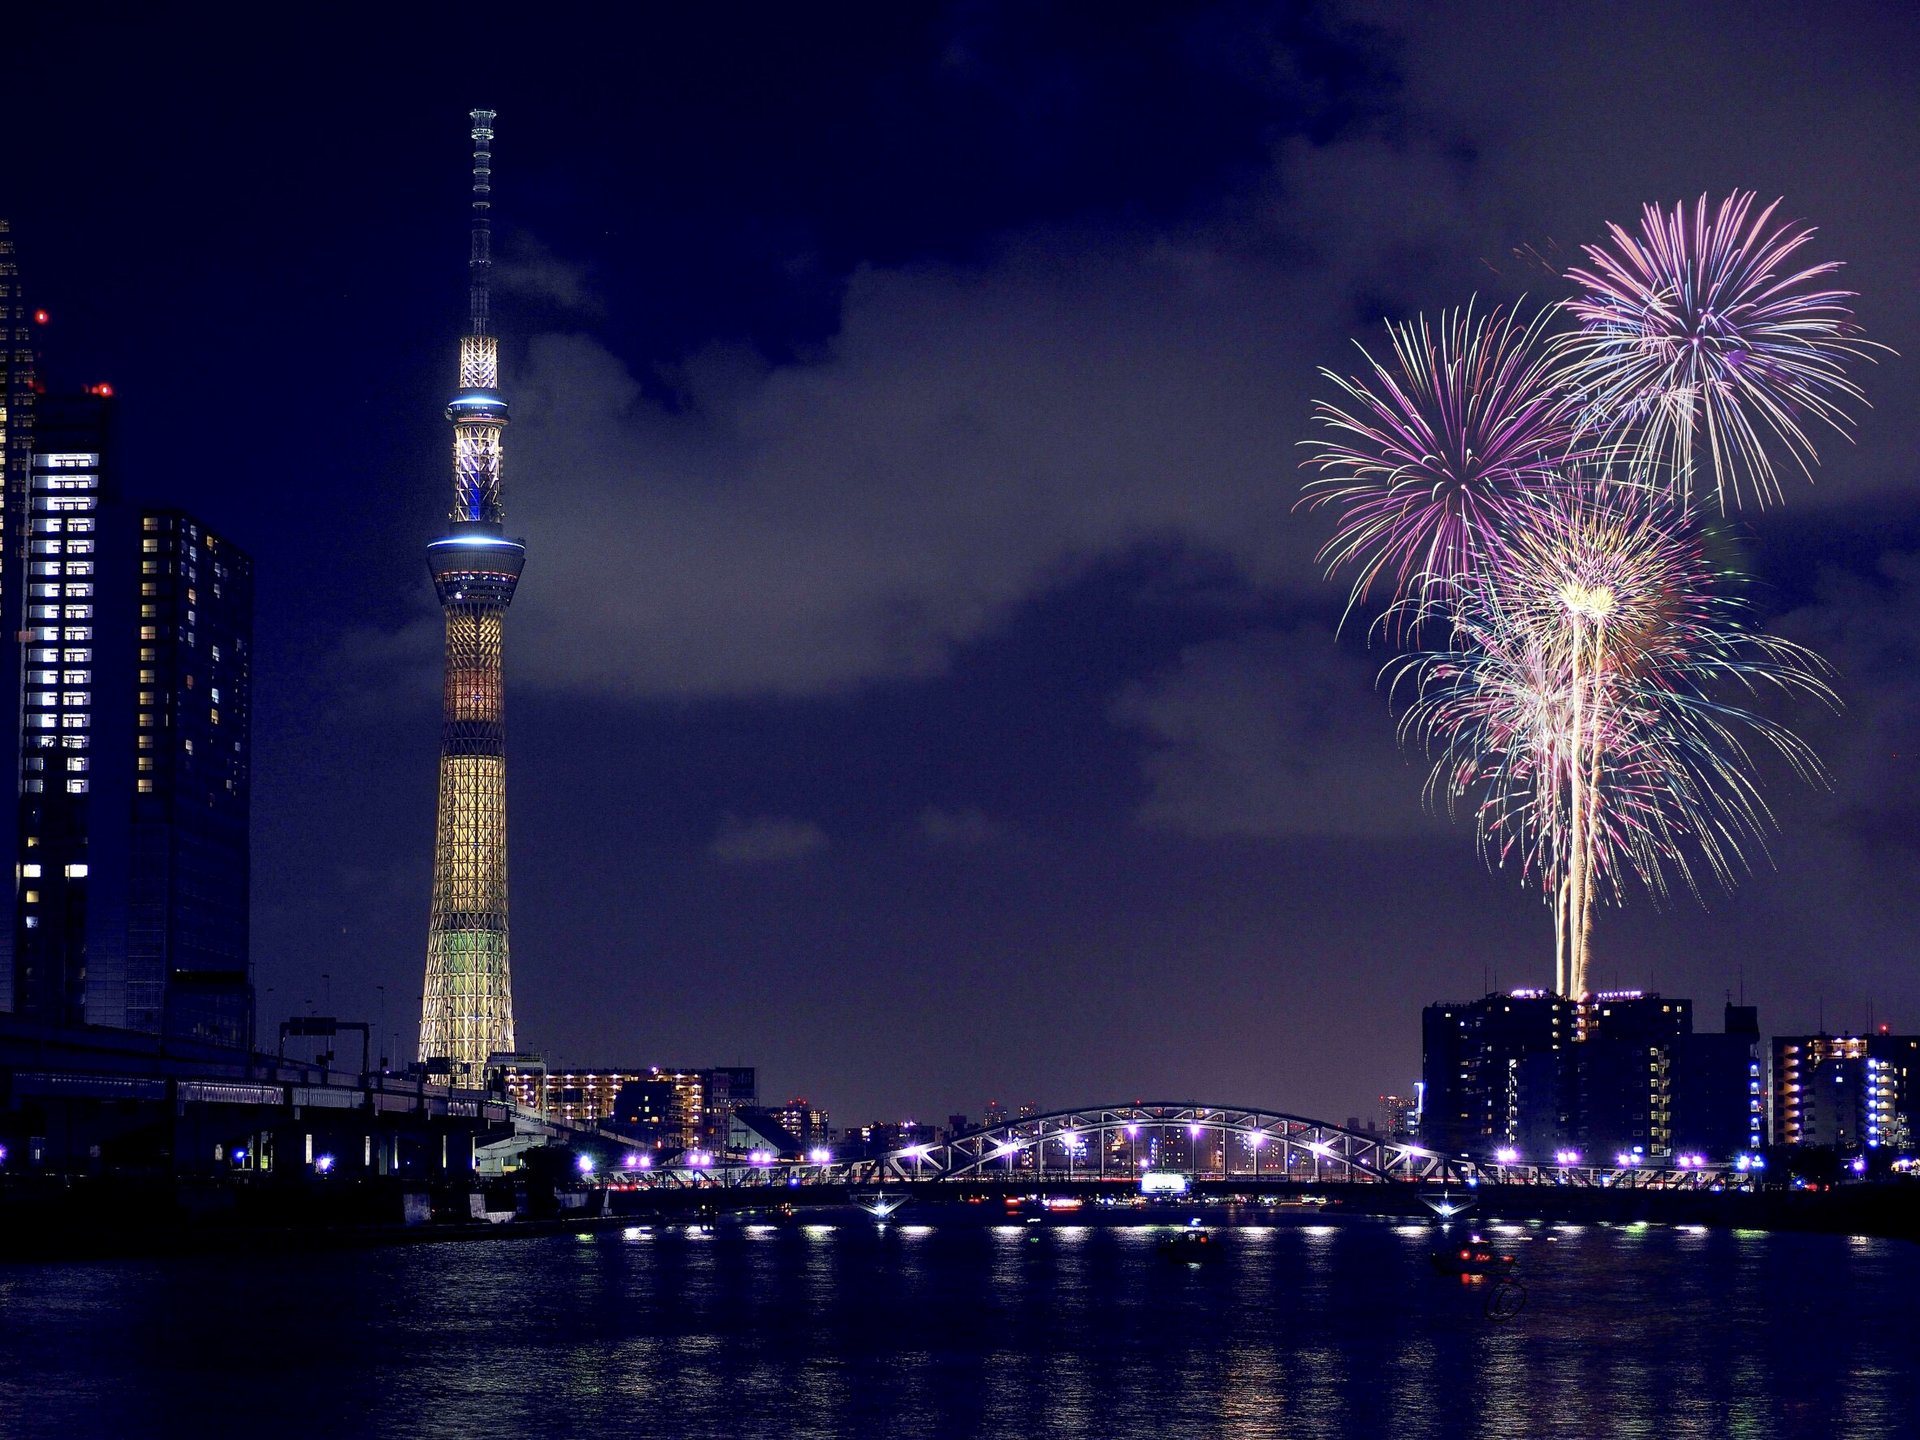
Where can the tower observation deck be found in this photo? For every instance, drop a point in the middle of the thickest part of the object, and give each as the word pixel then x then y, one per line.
pixel 466 1011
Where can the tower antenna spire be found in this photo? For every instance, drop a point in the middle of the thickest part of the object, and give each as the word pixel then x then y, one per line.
pixel 480 256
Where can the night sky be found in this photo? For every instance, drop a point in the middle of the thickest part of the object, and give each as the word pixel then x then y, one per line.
pixel 921 687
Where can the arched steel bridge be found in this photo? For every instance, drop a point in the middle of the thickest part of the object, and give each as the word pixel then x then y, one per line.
pixel 1214 1143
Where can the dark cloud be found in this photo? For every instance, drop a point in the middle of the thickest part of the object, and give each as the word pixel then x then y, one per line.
pixel 1272 734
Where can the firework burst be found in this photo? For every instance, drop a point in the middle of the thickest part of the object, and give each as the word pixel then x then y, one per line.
pixel 1588 709
pixel 1701 345
pixel 1427 451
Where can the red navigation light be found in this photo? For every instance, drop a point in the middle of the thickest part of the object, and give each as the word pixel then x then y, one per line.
pixel 101 389
pixel 40 317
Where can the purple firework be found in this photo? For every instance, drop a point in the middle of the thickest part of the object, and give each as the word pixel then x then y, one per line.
pixel 1428 451
pixel 1700 345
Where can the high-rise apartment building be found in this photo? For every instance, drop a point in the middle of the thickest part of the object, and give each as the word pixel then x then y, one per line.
pixel 1493 1072
pixel 187 952
pixel 16 452
pixel 1620 1073
pixel 1847 1091
pixel 54 602
pixel 134 691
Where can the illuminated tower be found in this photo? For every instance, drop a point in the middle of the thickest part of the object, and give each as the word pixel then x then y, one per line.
pixel 466 1009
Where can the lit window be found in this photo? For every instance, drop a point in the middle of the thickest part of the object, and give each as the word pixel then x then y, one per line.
pixel 150 546
pixel 215 692
pixel 32 872
pixel 150 587
pixel 148 632
pixel 145 787
pixel 76 787
pixel 33 897
pixel 214 715
pixel 145 762
pixel 146 721
pixel 150 522
pixel 76 872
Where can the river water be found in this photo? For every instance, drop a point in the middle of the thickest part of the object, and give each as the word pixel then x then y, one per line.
pixel 964 1329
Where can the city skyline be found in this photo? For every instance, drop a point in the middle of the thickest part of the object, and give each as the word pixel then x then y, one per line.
pixel 925 647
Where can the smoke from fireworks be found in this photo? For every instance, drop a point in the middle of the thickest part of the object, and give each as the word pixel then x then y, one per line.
pixel 1699 344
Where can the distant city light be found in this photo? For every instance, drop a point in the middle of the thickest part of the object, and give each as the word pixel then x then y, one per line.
pixel 323 1163
pixel 820 1155
pixel 1506 1155
pixel 586 1164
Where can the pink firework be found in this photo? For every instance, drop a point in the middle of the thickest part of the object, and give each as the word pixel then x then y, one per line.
pixel 1702 347
pixel 1427 451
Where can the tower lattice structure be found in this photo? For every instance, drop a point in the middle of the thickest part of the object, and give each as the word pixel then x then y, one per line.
pixel 466 1011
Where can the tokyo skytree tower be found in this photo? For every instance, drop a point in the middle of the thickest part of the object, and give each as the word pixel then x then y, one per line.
pixel 466 1011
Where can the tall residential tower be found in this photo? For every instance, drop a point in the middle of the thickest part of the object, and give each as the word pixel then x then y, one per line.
pixel 466 1009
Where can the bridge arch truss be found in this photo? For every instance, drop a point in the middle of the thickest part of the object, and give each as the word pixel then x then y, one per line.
pixel 1204 1142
